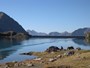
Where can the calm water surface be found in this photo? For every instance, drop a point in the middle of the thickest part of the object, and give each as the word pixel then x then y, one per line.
pixel 10 50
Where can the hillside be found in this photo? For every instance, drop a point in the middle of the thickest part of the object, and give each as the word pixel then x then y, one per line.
pixel 80 32
pixel 9 24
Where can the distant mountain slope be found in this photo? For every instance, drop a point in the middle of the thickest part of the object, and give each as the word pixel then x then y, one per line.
pixel 34 33
pixel 65 33
pixel 60 34
pixel 80 32
pixel 54 34
pixel 9 24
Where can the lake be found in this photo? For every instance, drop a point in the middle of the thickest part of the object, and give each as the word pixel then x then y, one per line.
pixel 10 50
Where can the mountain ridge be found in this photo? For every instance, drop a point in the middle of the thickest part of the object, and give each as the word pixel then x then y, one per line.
pixel 35 33
pixel 77 32
pixel 9 24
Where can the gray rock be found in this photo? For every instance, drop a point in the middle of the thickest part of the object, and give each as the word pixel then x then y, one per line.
pixel 38 59
pixel 59 56
pixel 69 53
pixel 70 48
pixel 78 48
pixel 6 66
pixel 52 49
pixel 16 65
pixel 52 59
pixel 29 65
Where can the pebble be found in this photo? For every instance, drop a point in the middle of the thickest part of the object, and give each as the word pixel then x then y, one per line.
pixel 29 65
pixel 52 59
pixel 59 56
pixel 38 59
pixel 16 65
pixel 6 66
pixel 78 48
pixel 14 61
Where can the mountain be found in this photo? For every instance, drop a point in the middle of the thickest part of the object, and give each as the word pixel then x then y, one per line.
pixel 9 24
pixel 59 34
pixel 65 33
pixel 80 32
pixel 34 33
pixel 54 34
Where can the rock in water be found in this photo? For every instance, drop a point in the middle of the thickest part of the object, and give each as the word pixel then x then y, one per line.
pixel 9 24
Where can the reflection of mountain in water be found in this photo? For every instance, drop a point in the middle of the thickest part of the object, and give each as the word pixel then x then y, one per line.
pixel 80 42
pixel 5 43
pixel 4 47
pixel 4 54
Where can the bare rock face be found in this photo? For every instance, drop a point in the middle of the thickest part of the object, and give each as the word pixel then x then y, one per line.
pixel 9 24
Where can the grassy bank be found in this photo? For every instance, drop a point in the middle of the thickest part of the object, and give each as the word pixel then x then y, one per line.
pixel 81 59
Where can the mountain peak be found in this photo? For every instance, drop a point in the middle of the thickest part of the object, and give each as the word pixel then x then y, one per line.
pixel 1 14
pixel 9 24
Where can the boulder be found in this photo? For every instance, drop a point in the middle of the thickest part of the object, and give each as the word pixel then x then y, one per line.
pixel 52 49
pixel 78 48
pixel 70 48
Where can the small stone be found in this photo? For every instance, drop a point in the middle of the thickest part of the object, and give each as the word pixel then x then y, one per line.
pixel 51 59
pixel 6 66
pixel 69 53
pixel 88 65
pixel 52 52
pixel 78 48
pixel 16 65
pixel 38 59
pixel 23 63
pixel 29 65
pixel 59 56
pixel 14 61
pixel 42 62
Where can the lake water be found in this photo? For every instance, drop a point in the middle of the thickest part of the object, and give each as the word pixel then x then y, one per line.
pixel 10 50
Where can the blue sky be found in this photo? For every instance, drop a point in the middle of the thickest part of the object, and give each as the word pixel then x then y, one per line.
pixel 49 15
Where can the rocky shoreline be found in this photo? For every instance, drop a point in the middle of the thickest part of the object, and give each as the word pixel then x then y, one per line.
pixel 54 57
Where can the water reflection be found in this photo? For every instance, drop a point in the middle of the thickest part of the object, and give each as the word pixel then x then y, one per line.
pixel 5 46
pixel 5 43
pixel 81 42
pixel 12 48
pixel 4 54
